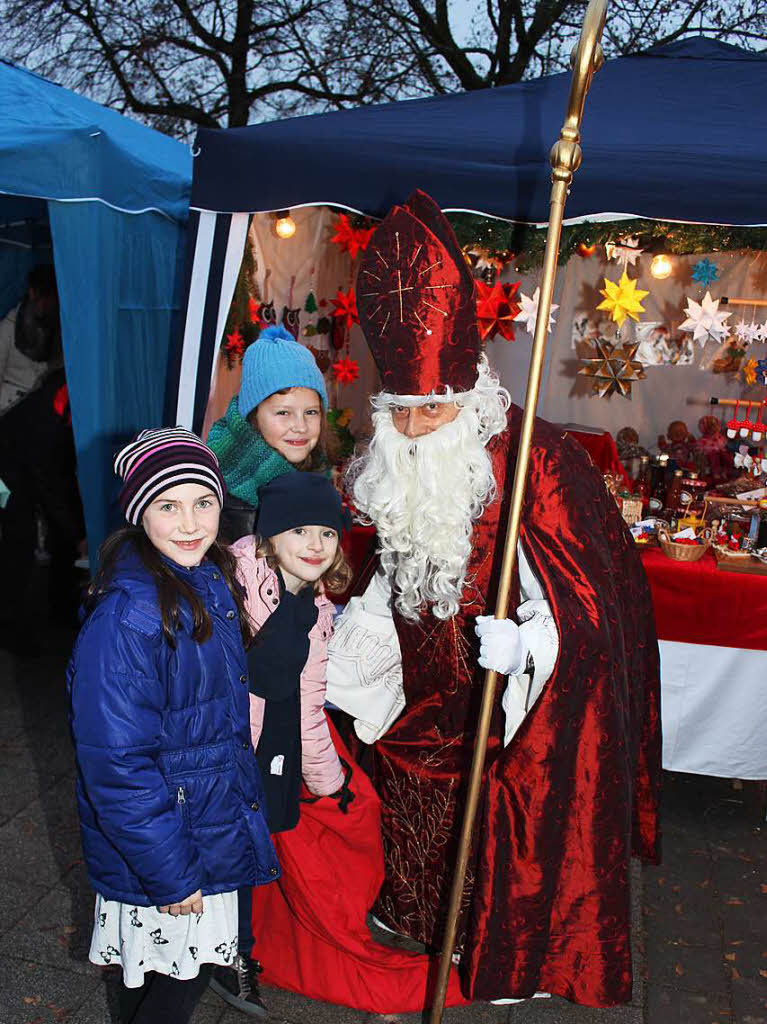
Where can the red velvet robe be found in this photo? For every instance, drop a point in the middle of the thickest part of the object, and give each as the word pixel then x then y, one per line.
pixel 547 903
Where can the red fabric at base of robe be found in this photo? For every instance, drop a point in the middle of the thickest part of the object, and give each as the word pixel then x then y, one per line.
pixel 547 902
pixel 310 925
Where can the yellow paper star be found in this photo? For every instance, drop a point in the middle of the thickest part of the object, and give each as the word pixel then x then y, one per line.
pixel 749 371
pixel 622 299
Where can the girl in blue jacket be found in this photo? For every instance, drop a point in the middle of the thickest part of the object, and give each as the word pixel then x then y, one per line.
pixel 169 793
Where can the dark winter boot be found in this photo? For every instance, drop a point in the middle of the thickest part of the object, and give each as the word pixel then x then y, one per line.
pixel 238 985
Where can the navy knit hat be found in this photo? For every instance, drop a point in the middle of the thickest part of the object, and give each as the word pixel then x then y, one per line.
pixel 300 499
pixel 156 460
pixel 273 362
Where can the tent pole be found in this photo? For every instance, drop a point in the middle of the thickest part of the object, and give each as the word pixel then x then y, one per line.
pixel 565 159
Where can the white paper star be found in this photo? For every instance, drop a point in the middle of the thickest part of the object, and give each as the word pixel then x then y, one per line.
pixel 760 332
pixel 743 331
pixel 528 314
pixel 752 332
pixel 704 320
pixel 626 251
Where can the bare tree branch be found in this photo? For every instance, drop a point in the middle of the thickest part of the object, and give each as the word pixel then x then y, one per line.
pixel 182 63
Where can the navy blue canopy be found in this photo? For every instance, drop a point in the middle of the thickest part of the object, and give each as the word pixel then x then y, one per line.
pixel 106 199
pixel 674 133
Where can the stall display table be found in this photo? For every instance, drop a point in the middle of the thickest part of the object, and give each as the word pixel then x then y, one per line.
pixel 712 632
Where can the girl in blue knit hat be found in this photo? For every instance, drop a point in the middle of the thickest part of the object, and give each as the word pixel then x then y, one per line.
pixel 276 424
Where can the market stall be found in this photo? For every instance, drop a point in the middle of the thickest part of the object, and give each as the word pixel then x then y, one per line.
pixel 664 239
pixel 105 199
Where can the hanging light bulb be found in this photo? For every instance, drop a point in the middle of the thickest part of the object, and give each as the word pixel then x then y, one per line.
pixel 661 267
pixel 284 225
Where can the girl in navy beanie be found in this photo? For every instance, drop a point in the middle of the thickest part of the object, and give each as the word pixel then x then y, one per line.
pixel 275 425
pixel 288 568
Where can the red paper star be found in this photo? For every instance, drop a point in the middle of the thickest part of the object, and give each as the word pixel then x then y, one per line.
pixel 350 239
pixel 235 343
pixel 496 309
pixel 346 371
pixel 253 310
pixel 346 307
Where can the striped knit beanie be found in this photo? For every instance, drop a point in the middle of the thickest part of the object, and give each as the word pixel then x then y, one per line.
pixel 158 459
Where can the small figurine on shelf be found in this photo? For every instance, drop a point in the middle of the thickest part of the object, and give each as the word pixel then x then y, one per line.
pixel 679 444
pixel 630 505
pixel 732 536
pixel 714 459
pixel 627 443
pixel 630 451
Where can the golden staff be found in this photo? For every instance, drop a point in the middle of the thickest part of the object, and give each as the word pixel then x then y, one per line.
pixel 565 160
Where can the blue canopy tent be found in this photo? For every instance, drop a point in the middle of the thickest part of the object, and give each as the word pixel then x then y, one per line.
pixel 668 135
pixel 111 198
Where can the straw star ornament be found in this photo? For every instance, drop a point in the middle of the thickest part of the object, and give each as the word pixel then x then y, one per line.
pixel 612 368
pixel 622 299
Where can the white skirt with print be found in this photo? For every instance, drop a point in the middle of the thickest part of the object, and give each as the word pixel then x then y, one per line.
pixel 142 939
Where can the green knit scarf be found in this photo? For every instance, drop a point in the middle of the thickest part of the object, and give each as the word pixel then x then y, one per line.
pixel 246 460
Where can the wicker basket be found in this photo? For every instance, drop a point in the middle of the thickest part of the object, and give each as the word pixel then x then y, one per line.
pixel 684 552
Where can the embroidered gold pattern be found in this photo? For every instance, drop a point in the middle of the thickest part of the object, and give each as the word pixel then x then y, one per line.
pixel 419 845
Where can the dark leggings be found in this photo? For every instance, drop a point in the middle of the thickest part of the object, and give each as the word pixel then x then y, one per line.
pixel 245 939
pixel 162 999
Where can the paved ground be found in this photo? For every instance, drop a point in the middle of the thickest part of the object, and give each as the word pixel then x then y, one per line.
pixel 700 935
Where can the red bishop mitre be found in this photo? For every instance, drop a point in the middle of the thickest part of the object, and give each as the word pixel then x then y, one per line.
pixel 416 303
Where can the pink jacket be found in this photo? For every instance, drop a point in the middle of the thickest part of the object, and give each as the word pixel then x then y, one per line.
pixel 320 765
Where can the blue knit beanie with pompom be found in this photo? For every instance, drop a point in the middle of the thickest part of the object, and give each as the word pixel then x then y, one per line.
pixel 273 362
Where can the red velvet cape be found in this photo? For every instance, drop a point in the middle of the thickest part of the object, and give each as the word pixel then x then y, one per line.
pixel 547 902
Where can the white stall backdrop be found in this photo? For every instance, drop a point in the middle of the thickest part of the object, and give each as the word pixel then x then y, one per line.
pixel 669 392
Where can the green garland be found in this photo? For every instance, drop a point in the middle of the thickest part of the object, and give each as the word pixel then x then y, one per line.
pixel 528 242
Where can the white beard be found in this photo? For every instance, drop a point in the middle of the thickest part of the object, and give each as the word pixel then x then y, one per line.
pixel 424 495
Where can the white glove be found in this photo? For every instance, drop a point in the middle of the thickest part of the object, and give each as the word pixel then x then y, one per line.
pixel 501 645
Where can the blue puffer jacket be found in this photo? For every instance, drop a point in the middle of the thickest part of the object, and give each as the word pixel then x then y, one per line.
pixel 169 792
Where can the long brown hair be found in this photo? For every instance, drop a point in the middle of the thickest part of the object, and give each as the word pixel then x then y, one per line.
pixel 325 453
pixel 335 579
pixel 171 588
